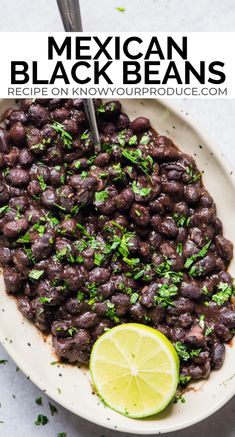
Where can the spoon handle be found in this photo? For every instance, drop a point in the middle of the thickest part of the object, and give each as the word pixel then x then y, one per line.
pixel 71 15
pixel 72 21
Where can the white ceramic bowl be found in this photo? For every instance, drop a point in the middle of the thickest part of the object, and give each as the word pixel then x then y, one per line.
pixel 71 386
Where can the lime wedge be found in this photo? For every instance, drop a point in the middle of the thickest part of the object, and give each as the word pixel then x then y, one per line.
pixel 134 369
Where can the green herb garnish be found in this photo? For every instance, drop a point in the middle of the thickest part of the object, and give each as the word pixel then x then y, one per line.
pixel 42 183
pixel 140 191
pixel 101 196
pixel 36 274
pixel 65 136
pixel 38 401
pixel 41 420
pixel 189 261
pixel 225 293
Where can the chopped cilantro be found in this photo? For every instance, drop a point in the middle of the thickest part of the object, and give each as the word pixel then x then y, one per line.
pixel 208 331
pixel 136 157
pixel 226 291
pixel 101 196
pixel 36 274
pixel 132 140
pixel 134 298
pixel 41 420
pixel 45 299
pixel 3 361
pixel 111 312
pixel 202 321
pixel 180 220
pixel 4 209
pixel 53 409
pixel 179 248
pixel 145 139
pixel 179 398
pixel 60 207
pixel 196 271
pixel 189 261
pixel 80 296
pixel 205 290
pixel 84 174
pixel 131 261
pixel 65 136
pixel 61 254
pixel 38 401
pixel 98 258
pixel 101 108
pixel 72 331
pixel 24 239
pixel 85 135
pixel 42 183
pixel 39 228
pixel 77 164
pixel 184 379
pixel 194 176
pixel 62 434
pixel 181 351
pixel 165 294
pixel 140 191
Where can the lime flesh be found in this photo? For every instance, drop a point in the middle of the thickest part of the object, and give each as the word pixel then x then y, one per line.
pixel 135 370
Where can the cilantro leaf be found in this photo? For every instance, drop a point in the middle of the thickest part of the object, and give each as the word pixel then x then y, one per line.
pixel 140 191
pixel 53 409
pixel 101 196
pixel 36 274
pixel 65 136
pixel 42 183
pixel 189 261
pixel 226 291
pixel 41 420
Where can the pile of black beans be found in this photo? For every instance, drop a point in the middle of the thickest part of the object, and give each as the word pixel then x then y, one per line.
pixel 93 237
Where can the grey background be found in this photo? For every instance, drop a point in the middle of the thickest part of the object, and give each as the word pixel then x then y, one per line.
pixel 17 395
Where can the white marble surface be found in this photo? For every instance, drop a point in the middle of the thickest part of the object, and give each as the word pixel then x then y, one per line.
pixel 18 410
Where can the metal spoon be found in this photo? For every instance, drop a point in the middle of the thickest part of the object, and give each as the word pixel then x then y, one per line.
pixel 72 21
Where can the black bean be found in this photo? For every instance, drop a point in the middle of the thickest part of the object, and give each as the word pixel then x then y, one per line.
pixel 101 328
pixel 227 318
pixel 25 157
pixel 217 355
pixel 74 277
pixel 5 255
pixel 125 199
pixel 138 312
pixel 99 275
pixel 140 215
pixel 17 134
pixel 140 124
pixel 191 290
pixel 224 247
pixel 195 336
pixel 18 177
pixel 192 194
pixel 49 198
pixel 121 302
pixel 13 229
pixel 38 115
pixel 12 279
pixel 76 348
pixel 42 247
pixel 25 307
pixel 86 320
